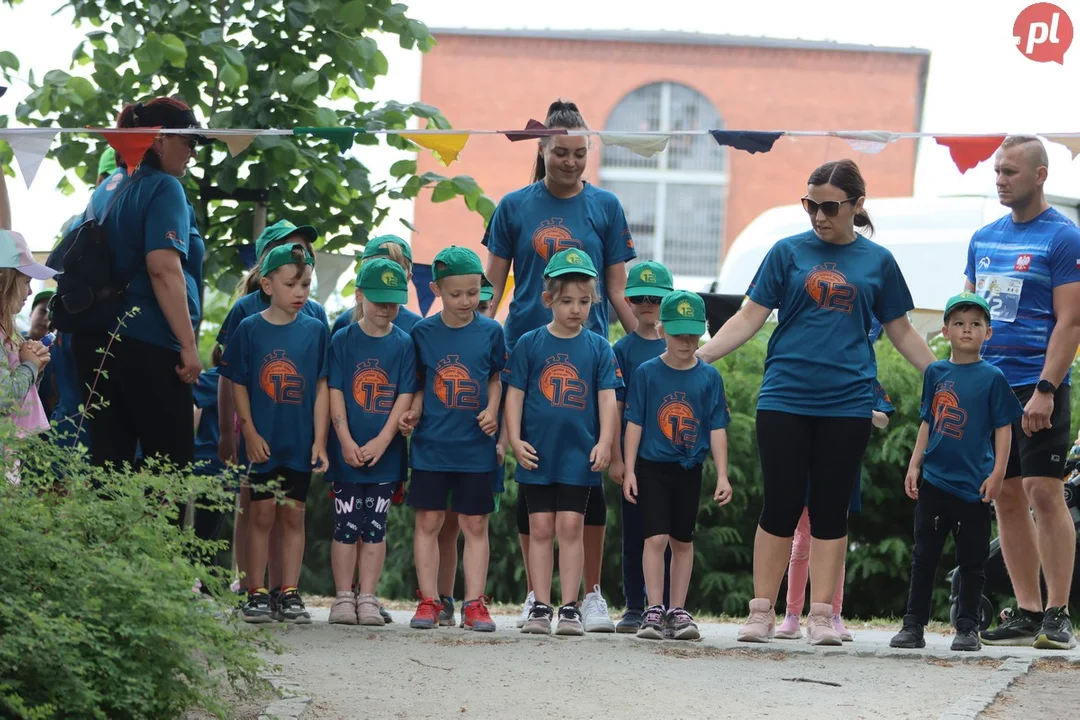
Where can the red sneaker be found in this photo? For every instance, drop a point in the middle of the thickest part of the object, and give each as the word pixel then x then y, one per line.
pixel 474 615
pixel 427 613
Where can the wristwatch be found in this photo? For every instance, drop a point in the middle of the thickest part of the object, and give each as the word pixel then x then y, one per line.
pixel 1045 386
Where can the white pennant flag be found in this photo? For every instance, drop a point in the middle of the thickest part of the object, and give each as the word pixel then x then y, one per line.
pixel 30 149
pixel 868 141
pixel 643 145
pixel 1070 141
pixel 329 267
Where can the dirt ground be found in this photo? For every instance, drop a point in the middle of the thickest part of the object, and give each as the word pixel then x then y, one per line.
pixel 1050 690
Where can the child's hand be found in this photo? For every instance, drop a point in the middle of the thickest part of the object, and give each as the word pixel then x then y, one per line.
pixel 616 470
pixel 500 453
pixel 29 352
pixel 227 453
pixel 408 422
pixel 723 490
pixel 525 454
pixel 991 488
pixel 372 451
pixel 352 454
pixel 600 456
pixel 319 462
pixel 629 487
pixel 911 483
pixel 489 423
pixel 880 420
pixel 257 449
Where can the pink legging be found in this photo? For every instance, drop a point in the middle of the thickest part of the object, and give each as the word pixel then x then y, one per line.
pixel 798 571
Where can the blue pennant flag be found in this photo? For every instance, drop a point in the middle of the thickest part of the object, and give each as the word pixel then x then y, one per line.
pixel 422 278
pixel 752 141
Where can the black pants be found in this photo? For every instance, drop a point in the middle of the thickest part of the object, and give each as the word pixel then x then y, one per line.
pixel 147 404
pixel 937 515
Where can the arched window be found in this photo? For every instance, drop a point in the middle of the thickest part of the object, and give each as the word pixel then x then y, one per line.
pixel 675 201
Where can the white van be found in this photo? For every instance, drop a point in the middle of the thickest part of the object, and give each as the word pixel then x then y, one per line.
pixel 927 236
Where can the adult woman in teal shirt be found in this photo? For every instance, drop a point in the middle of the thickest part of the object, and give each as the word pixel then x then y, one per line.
pixel 814 408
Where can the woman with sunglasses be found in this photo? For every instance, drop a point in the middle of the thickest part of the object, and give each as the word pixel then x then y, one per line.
pixel 817 395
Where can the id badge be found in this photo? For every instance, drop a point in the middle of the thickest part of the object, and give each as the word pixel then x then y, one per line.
pixel 1002 294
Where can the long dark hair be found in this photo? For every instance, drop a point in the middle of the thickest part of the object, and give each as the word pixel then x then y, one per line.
pixel 844 174
pixel 129 118
pixel 560 114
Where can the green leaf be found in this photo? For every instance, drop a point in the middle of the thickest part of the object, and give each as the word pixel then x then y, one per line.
pixel 150 56
pixel 211 36
pixel 486 207
pixel 443 191
pixel 402 168
pixel 9 61
pixel 304 80
pixel 353 13
pixel 231 77
pixel 466 185
pixel 379 65
pixel 233 56
pixel 181 7
pixel 367 48
pixel 81 87
pixel 56 77
pixel 343 88
pixel 408 224
pixel 175 50
pixel 128 38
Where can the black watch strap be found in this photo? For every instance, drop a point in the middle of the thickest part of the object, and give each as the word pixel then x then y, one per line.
pixel 1045 386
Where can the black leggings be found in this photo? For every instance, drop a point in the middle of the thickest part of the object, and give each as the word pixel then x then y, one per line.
pixel 796 450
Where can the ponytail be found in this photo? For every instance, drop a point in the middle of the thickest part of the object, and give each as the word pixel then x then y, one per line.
pixel 148 115
pixel 560 114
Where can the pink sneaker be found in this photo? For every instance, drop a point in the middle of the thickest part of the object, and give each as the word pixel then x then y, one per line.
pixel 819 625
pixel 761 625
pixel 789 629
pixel 838 626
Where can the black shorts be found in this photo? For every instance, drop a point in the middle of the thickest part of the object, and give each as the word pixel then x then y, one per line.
pixel 668 496
pixel 1042 454
pixel 557 498
pixel 595 508
pixel 294 483
pixel 360 511
pixel 464 493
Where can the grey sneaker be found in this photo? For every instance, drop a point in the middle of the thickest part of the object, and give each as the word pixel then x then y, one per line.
pixel 682 625
pixel 446 614
pixel 1056 632
pixel 385 615
pixel 569 621
pixel 652 624
pixel 539 622
pixel 290 608
pixel 1018 628
pixel 257 608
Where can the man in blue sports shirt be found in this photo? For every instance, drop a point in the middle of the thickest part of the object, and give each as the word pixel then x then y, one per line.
pixel 1027 267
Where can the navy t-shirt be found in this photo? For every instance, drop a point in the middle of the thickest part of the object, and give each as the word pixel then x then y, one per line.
pixel 631 351
pixel 530 225
pixel 371 372
pixel 1016 267
pixel 253 303
pixel 676 411
pixel 208 433
pixel 561 378
pixel 70 394
pixel 963 405
pixel 406 319
pixel 820 360
pixel 280 365
pixel 455 364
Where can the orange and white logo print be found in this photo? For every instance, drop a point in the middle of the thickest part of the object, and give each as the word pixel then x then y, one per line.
pixel 454 386
pixel 561 384
pixel 552 237
pixel 949 417
pixel 830 289
pixel 676 420
pixel 279 378
pixel 372 389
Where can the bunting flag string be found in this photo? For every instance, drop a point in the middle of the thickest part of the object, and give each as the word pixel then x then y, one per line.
pixel 131 147
pixel 751 141
pixel 1070 141
pixel 446 147
pixel 643 145
pixel 967 152
pixel 30 150
pixel 237 143
pixel 870 142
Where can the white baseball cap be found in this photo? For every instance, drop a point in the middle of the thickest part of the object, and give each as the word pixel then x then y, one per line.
pixel 15 253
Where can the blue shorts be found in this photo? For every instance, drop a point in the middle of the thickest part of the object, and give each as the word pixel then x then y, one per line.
pixel 360 511
pixel 464 493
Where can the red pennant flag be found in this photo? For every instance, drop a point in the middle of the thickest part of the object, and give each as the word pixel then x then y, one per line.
pixel 131 147
pixel 967 152
pixel 533 129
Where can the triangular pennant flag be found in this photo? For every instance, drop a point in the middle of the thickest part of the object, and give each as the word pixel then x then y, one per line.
pixel 30 149
pixel 421 280
pixel 752 141
pixel 340 136
pixel 329 269
pixel 236 143
pixel 131 147
pixel 2 90
pixel 967 152
pixel 868 141
pixel 643 145
pixel 446 146
pixel 1070 141
pixel 533 129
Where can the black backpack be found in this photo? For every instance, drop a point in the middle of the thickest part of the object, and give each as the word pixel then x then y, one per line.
pixel 89 292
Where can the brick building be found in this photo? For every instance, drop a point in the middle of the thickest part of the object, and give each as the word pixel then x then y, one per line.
pixel 686 205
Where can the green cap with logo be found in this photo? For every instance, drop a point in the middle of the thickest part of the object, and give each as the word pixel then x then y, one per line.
pixel 683 313
pixel 107 162
pixel 383 281
pixel 570 261
pixel 41 297
pixel 965 300
pixel 456 260
pixel 281 256
pixel 487 290
pixel 649 279
pixel 281 230
pixel 374 247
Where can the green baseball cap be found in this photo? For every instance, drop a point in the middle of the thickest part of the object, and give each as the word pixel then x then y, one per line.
pixel 569 261
pixel 281 230
pixel 487 291
pixel 967 299
pixel 649 279
pixel 281 256
pixel 107 163
pixel 41 297
pixel 683 313
pixel 374 247
pixel 456 260
pixel 383 281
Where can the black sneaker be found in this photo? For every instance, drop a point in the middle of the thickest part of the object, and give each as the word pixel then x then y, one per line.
pixel 569 621
pixel 1056 632
pixel 682 625
pixel 966 641
pixel 630 622
pixel 1018 628
pixel 290 608
pixel 446 614
pixel 385 615
pixel 910 636
pixel 653 624
pixel 539 621
pixel 257 608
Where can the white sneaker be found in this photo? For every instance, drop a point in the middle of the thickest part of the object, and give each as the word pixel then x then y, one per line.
pixel 595 613
pixel 526 610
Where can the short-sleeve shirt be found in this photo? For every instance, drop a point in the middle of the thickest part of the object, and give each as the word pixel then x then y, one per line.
pixel 208 433
pixel 455 365
pixel 1016 267
pixel 820 361
pixel 153 215
pixel 677 411
pixel 254 303
pixel 631 351
pixel 561 379
pixel 371 372
pixel 280 365
pixel 964 404
pixel 406 319
pixel 882 401
pixel 530 225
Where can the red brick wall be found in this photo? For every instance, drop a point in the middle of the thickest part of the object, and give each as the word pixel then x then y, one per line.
pixel 500 82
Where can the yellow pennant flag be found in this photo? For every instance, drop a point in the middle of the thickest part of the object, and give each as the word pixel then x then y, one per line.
pixel 446 146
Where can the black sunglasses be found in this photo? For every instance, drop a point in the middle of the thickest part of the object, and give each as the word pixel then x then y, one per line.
pixel 640 299
pixel 830 207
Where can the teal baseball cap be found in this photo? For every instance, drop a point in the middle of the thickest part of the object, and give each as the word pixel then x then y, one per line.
pixel 649 279
pixel 456 260
pixel 282 256
pixel 487 290
pixel 570 261
pixel 383 281
pixel 683 313
pixel 967 300
pixel 281 230
pixel 376 247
